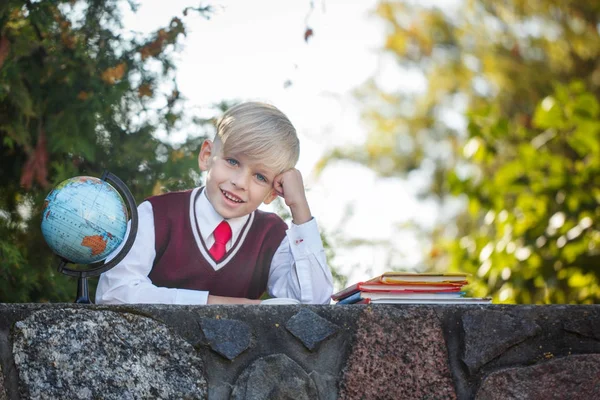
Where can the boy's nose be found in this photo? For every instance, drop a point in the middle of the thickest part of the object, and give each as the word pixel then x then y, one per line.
pixel 240 180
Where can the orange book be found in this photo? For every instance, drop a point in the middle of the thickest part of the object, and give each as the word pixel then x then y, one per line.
pixel 412 287
pixel 457 300
pixel 402 281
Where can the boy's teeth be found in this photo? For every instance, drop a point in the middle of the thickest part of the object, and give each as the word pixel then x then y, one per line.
pixel 231 198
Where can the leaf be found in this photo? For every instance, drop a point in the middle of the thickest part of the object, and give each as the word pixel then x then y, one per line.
pixel 583 141
pixel 308 33
pixel 4 49
pixel 22 99
pixel 548 114
pixel 508 173
pixel 587 105
pixel 114 74
pixel 145 90
pixel 396 43
pixel 36 166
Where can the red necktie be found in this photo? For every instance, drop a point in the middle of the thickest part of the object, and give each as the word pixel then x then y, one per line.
pixel 222 235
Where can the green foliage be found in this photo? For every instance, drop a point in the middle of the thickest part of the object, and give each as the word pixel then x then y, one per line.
pixel 525 165
pixel 534 236
pixel 77 98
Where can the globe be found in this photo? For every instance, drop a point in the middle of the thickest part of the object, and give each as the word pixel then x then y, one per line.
pixel 84 220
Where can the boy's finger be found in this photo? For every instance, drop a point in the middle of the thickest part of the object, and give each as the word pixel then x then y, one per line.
pixel 278 188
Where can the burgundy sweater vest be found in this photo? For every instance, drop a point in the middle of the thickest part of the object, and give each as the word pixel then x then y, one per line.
pixel 180 263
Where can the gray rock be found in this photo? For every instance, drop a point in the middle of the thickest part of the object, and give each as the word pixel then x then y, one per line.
pixel 83 354
pixel 489 333
pixel 326 385
pixel 310 328
pixel 274 377
pixel 572 377
pixel 2 390
pixel 589 326
pixel 227 337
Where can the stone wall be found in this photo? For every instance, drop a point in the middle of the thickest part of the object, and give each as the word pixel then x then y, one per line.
pixel 68 351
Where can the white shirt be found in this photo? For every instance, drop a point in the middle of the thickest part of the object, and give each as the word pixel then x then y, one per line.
pixel 298 269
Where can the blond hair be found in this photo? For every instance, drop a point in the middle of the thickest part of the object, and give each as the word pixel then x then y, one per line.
pixel 260 131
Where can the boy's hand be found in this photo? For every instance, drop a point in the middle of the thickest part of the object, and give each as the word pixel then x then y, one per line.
pixel 290 186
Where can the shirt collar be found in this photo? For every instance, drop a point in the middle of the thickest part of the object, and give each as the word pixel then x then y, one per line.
pixel 209 218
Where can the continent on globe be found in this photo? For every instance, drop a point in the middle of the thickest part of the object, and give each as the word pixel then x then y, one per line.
pixel 95 242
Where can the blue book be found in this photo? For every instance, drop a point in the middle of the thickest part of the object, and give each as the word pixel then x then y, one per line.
pixel 383 296
pixel 353 298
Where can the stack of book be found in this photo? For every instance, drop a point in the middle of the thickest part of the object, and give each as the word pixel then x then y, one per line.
pixel 409 288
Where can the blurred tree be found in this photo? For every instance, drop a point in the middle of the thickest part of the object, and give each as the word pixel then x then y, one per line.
pixel 497 122
pixel 80 94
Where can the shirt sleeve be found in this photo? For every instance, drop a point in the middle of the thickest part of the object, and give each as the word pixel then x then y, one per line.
pixel 299 267
pixel 128 281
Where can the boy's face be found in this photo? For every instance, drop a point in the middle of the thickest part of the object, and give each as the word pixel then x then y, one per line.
pixel 236 185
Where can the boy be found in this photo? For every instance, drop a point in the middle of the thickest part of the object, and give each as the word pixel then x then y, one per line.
pixel 211 245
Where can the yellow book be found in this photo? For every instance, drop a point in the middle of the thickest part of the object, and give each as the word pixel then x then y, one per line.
pixel 408 277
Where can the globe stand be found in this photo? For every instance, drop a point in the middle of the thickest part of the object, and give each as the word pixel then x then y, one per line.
pixel 100 267
pixel 83 296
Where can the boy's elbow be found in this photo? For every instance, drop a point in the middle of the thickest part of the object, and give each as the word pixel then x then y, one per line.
pixel 327 298
pixel 114 292
pixel 324 297
pixel 107 298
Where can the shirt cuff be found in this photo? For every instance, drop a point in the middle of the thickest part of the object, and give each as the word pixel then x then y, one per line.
pixel 304 239
pixel 194 297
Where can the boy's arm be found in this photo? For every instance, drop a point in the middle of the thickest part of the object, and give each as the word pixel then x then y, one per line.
pixel 128 282
pixel 230 300
pixel 299 267
pixel 290 186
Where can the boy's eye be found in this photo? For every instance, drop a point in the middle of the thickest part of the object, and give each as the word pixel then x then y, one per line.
pixel 261 178
pixel 232 161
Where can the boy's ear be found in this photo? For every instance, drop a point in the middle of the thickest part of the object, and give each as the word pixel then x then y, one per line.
pixel 270 197
pixel 204 156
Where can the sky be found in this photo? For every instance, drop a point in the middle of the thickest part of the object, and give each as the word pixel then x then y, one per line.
pixel 248 50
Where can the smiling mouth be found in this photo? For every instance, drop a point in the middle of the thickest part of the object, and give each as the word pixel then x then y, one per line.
pixel 231 197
